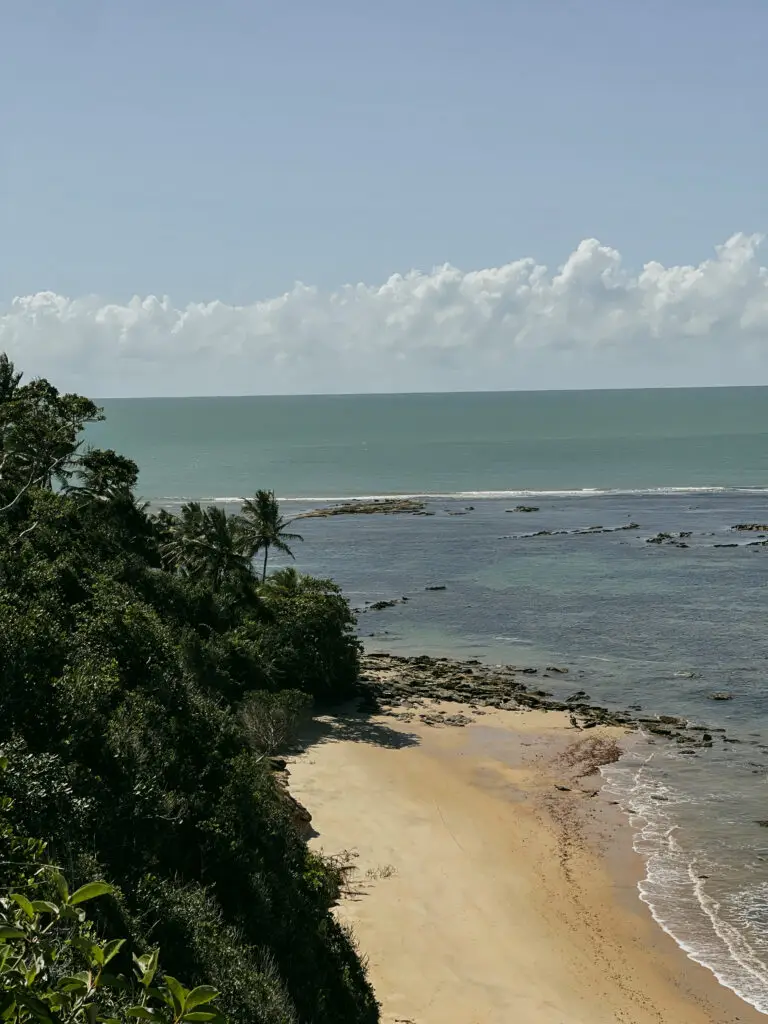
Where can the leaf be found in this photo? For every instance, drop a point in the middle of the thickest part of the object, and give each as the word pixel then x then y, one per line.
pixel 61 885
pixel 90 891
pixel 86 947
pixel 75 982
pixel 24 903
pixel 201 1015
pixel 112 949
pixel 140 1011
pixel 200 995
pixel 178 992
pixel 7 932
pixel 44 907
pixel 147 967
pixel 113 981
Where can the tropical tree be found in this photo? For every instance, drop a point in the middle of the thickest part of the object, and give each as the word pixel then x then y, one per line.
pixel 263 527
pixel 206 544
pixel 282 584
pixel 39 430
pixel 104 476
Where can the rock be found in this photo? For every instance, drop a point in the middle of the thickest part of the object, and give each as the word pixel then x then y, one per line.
pixel 762 822
pixel 672 720
pixel 555 668
pixel 721 695
pixel 725 545
pixel 675 539
pixel 753 527
pixel 383 506
pixel 438 587
pixel 524 508
pixel 459 720
pixel 580 695
pixel 378 606
pixel 659 729
pixel 563 789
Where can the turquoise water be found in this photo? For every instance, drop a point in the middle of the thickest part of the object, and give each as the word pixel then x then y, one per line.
pixel 655 626
pixel 348 445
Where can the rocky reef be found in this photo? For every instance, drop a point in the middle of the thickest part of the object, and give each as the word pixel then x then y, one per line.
pixel 380 506
pixel 390 681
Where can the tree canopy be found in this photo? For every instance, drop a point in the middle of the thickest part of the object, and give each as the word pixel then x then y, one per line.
pixel 139 655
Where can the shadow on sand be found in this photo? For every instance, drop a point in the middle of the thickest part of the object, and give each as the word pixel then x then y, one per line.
pixel 352 726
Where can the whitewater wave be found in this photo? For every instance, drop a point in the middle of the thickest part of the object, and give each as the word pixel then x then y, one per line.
pixel 583 492
pixel 714 932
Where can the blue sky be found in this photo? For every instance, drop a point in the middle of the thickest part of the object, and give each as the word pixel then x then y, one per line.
pixel 221 152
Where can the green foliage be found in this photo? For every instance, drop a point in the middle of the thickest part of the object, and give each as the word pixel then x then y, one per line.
pixel 39 431
pixel 205 544
pixel 54 967
pixel 310 642
pixel 145 671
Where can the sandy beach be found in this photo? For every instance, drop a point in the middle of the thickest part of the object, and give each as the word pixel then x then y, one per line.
pixel 493 883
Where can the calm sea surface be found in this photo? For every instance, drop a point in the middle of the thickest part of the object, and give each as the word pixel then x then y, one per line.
pixel 331 446
pixel 657 626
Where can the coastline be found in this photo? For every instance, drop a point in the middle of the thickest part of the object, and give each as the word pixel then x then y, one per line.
pixel 492 881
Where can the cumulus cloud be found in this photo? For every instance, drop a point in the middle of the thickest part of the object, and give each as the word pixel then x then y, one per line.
pixel 592 322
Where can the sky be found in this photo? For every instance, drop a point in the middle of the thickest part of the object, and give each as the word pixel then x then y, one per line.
pixel 248 197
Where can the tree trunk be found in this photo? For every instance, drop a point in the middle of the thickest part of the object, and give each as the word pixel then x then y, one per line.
pixel 266 556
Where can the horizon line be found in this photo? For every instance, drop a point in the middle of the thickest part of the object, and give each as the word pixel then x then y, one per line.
pixel 424 394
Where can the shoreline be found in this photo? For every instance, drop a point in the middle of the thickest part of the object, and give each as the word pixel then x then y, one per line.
pixel 473 831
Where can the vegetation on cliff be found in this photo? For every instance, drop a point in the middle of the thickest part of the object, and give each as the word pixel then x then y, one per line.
pixel 146 672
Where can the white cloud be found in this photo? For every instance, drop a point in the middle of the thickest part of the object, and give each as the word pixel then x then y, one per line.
pixel 590 323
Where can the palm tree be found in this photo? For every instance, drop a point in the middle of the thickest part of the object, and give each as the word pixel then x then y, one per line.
pixel 284 583
pixel 206 544
pixel 262 527
pixel 181 533
pixel 104 476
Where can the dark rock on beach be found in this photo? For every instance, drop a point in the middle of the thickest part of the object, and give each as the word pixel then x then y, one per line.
pixel 391 681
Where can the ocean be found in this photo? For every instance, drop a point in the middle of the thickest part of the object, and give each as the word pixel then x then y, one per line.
pixel 657 626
